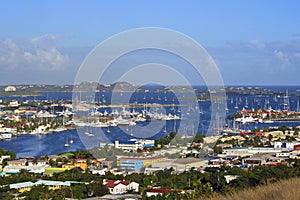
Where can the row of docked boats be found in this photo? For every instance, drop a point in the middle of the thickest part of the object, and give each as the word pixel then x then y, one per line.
pixel 124 117
pixel 250 119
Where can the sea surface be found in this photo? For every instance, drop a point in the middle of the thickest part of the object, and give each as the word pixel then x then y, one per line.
pixel 195 118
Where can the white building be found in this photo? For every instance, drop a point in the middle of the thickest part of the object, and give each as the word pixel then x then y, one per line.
pixel 37 163
pixel 249 151
pixel 8 129
pixel 120 187
pixel 128 145
pixel 152 170
pixel 45 114
pixel 283 154
pixel 17 169
pixel 133 144
pixel 240 151
pixel 283 144
pixel 6 135
pixel 14 104
pixel 10 89
pixel 99 171
pixel 181 164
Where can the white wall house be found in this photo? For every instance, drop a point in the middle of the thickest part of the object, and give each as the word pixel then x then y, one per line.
pixel 120 187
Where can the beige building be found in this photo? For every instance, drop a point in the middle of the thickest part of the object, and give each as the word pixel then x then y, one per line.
pixel 181 164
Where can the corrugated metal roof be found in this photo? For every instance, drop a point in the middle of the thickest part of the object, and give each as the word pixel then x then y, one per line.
pixel 48 183
pixel 21 185
pixel 43 182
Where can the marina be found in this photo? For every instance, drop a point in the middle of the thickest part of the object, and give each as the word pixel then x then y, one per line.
pixel 146 117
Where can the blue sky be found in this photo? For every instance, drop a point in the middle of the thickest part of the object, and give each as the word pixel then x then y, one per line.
pixel 252 42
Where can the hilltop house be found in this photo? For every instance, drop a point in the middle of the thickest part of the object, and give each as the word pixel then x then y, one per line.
pixel 120 187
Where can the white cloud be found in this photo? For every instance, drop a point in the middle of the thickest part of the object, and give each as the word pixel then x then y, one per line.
pixel 241 61
pixel 45 41
pixel 268 56
pixel 35 53
pixel 246 46
pixel 10 44
pixel 256 44
pixel 282 57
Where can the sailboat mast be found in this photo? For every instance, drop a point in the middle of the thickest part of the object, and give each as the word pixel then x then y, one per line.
pixel 286 101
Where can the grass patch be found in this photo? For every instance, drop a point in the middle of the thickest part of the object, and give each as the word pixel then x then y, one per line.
pixel 285 189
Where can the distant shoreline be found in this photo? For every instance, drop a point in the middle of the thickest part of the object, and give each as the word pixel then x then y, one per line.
pixel 203 92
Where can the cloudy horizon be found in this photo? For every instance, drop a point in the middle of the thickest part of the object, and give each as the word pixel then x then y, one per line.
pixel 254 45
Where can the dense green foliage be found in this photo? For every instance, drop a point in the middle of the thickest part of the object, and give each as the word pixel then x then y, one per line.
pixel 213 181
pixel 166 140
pixel 6 152
pixel 200 184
